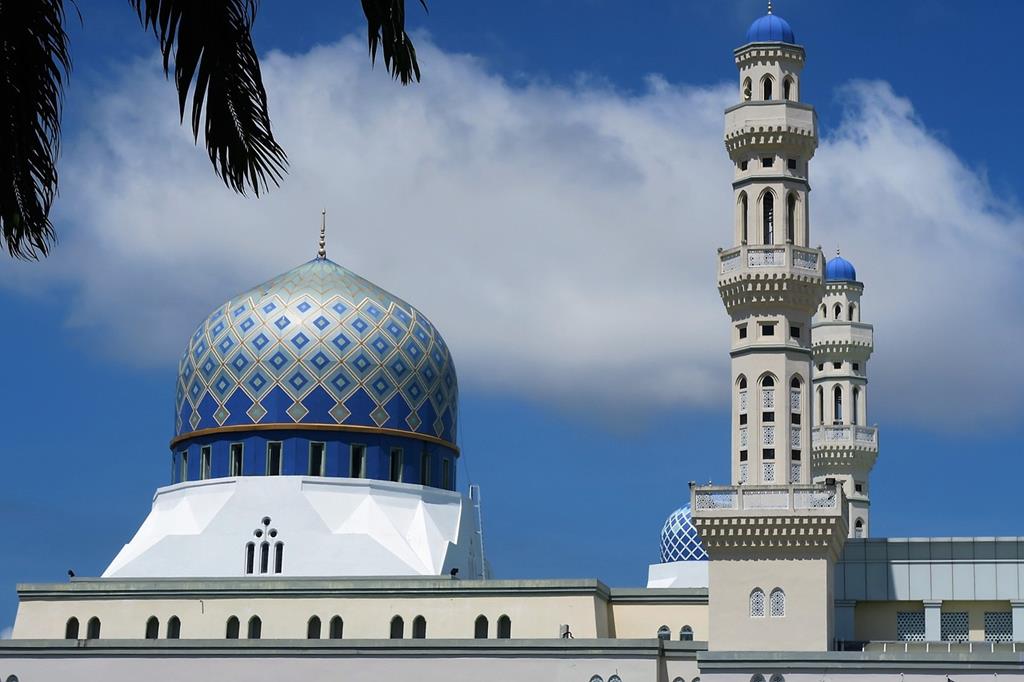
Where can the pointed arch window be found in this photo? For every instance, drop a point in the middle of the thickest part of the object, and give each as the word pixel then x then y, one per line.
pixel 791 219
pixel 821 405
pixel 766 88
pixel 777 603
pixel 255 628
pixel 278 556
pixel 313 628
pixel 744 230
pixel 855 406
pixel 838 310
pixel 173 628
pixel 787 89
pixel 480 626
pixel 419 627
pixel 264 556
pixel 152 628
pixel 851 312
pixel 250 557
pixel 231 628
pixel 748 89
pixel 397 628
pixel 858 529
pixel 837 405
pixel 757 603
pixel 337 628
pixel 768 218
pixel 71 628
pixel 504 627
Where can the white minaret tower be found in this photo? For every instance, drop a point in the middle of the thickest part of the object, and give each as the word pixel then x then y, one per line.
pixel 770 279
pixel 772 536
pixel 844 447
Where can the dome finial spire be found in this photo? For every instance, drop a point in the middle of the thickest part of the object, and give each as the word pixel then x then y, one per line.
pixel 322 252
pixel 769 6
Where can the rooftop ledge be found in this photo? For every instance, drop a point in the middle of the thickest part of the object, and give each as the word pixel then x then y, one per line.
pixel 734 500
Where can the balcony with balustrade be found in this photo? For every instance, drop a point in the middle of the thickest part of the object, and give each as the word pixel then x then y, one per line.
pixel 842 335
pixel 845 436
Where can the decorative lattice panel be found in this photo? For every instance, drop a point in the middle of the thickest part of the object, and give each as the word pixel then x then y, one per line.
pixel 768 471
pixel 794 399
pixel 757 604
pixel 910 626
pixel 743 400
pixel 998 626
pixel 768 435
pixel 794 437
pixel 743 437
pixel 794 472
pixel 768 398
pixel 744 472
pixel 955 627
pixel 777 603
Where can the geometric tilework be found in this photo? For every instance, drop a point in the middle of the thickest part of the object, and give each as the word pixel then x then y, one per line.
pixel 998 626
pixel 679 538
pixel 954 626
pixel 318 344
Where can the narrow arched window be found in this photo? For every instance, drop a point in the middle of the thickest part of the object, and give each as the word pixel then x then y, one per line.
pixel 419 627
pixel 255 628
pixel 264 556
pixel 743 218
pixel 152 628
pixel 92 628
pixel 787 88
pixel 855 407
pixel 231 630
pixel 824 312
pixel 851 313
pixel 480 627
pixel 337 628
pixel 766 88
pixel 837 405
pixel 250 557
pixel 791 218
pixel 748 90
pixel 664 633
pixel 71 628
pixel 777 603
pixel 838 311
pixel 313 628
pixel 686 634
pixel 173 628
pixel 397 628
pixel 504 627
pixel 757 603
pixel 858 529
pixel 768 218
pixel 821 405
pixel 278 556
pixel 743 383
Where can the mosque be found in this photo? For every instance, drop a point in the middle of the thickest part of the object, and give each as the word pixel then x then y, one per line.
pixel 313 526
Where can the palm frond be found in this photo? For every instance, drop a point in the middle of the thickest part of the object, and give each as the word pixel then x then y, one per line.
pixel 211 42
pixel 385 23
pixel 34 65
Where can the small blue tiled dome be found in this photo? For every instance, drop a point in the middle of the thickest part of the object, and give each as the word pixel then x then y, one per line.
pixel 679 538
pixel 770 29
pixel 839 269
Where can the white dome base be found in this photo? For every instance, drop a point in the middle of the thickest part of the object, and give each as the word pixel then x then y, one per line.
pixel 678 574
pixel 328 526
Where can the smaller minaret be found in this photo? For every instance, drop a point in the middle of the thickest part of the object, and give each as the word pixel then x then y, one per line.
pixel 843 447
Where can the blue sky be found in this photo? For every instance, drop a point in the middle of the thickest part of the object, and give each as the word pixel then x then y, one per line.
pixel 595 389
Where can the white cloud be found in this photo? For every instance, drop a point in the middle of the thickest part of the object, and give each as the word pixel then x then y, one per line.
pixel 562 238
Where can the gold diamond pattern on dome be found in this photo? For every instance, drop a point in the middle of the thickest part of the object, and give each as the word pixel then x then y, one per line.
pixel 318 345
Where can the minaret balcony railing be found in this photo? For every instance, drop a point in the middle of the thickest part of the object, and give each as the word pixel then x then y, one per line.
pixel 756 498
pixel 842 334
pixel 768 258
pixel 849 435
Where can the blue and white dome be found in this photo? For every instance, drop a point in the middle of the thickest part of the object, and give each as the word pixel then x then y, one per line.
pixel 318 345
pixel 679 538
pixel 839 269
pixel 770 29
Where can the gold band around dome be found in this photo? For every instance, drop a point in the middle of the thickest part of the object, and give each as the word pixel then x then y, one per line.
pixel 375 430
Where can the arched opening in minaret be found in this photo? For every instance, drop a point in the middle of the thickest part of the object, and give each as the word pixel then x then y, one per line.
pixel 821 405
pixel 766 88
pixel 852 312
pixel 741 209
pixel 858 529
pixel 791 218
pixel 824 312
pixel 748 89
pixel 837 405
pixel 839 311
pixel 788 89
pixel 856 405
pixel 768 218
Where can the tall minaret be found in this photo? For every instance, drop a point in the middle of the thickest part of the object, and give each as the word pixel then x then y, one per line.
pixel 770 279
pixel 844 447
pixel 772 536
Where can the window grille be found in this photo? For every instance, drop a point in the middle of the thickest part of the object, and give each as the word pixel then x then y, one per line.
pixel 777 603
pixel 998 626
pixel 743 438
pixel 768 398
pixel 954 626
pixel 794 437
pixel 794 399
pixel 743 400
pixel 794 472
pixel 768 435
pixel 768 471
pixel 910 626
pixel 757 604
pixel 744 472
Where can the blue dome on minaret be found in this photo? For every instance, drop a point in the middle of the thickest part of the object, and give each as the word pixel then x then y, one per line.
pixel 770 28
pixel 679 538
pixel 839 269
